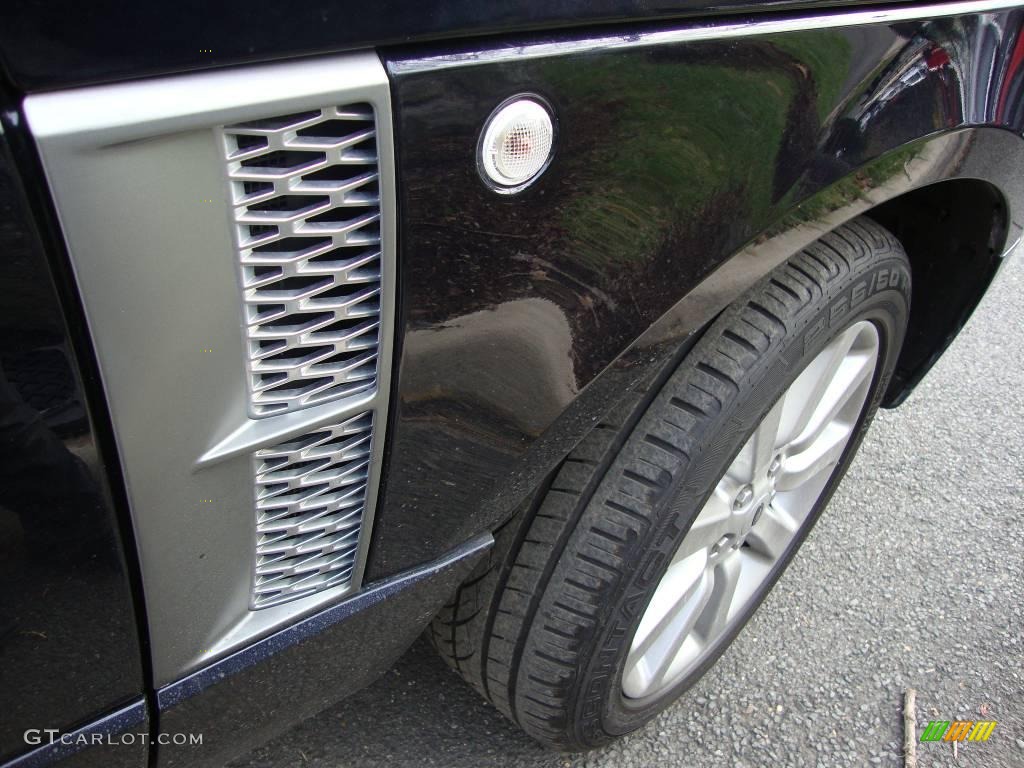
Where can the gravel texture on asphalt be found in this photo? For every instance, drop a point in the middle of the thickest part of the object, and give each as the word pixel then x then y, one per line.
pixel 913 577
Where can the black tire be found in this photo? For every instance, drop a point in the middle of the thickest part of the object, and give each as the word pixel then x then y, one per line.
pixel 542 629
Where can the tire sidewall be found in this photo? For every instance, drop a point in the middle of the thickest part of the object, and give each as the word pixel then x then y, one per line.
pixel 878 293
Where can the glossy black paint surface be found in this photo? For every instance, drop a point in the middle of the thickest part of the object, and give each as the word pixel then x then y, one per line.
pixel 683 172
pixel 61 43
pixel 69 648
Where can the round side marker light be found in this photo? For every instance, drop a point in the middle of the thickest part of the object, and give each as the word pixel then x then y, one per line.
pixel 516 144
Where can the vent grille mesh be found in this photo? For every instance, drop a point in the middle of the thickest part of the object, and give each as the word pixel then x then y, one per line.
pixel 305 189
pixel 310 499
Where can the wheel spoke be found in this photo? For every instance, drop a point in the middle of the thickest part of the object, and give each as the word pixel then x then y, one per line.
pixel 850 381
pixel 804 395
pixel 756 455
pixel 716 613
pixel 773 532
pixel 651 659
pixel 672 601
pixel 821 456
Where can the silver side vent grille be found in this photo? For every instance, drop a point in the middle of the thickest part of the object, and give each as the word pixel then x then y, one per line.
pixel 285 276
pixel 306 195
pixel 306 200
pixel 310 500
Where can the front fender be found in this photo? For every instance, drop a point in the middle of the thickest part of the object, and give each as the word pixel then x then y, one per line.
pixel 689 162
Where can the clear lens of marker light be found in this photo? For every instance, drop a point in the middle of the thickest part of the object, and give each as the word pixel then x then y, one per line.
pixel 517 143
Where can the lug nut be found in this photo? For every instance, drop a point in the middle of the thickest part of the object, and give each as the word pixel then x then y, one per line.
pixel 774 467
pixel 722 544
pixel 743 497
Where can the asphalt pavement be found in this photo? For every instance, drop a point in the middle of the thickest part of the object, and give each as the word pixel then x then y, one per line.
pixel 913 578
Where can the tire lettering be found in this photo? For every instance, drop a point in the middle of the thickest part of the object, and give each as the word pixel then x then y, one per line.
pixel 838 310
pixel 859 293
pixel 877 281
pixel 883 278
pixel 812 332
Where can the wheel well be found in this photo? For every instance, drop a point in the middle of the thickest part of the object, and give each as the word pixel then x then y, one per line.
pixel 954 232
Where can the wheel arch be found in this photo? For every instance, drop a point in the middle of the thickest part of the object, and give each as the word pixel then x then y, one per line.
pixel 954 232
pixel 967 182
pixel 953 201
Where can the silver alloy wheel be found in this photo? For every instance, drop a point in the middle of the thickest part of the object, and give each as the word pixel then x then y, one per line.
pixel 753 515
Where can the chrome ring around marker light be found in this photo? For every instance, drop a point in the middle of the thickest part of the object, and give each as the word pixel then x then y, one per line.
pixel 516 144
